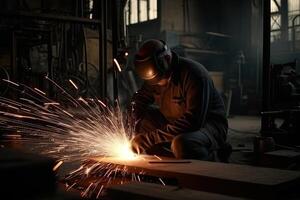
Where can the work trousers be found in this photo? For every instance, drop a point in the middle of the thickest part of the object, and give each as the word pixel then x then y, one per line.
pixel 200 144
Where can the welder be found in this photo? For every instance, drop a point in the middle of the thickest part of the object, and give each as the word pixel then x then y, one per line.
pixel 177 110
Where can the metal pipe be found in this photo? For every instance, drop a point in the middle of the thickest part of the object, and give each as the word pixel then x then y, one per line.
pixel 50 67
pixel 284 20
pixel 266 122
pixel 14 69
pixel 86 59
pixel 115 42
pixel 122 23
pixel 50 17
pixel 103 50
pixel 294 32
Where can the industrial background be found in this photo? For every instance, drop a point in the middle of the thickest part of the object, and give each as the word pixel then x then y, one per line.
pixel 251 49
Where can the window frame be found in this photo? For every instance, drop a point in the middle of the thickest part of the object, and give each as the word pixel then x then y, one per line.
pixel 277 15
pixel 139 20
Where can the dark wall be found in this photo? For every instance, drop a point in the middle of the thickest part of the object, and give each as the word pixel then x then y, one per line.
pixel 143 31
pixel 58 6
pixel 242 19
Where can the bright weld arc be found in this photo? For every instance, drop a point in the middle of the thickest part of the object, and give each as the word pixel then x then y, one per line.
pixel 52 103
pixel 13 83
pixel 40 91
pixel 103 104
pixel 57 165
pixel 74 85
pixel 68 137
pixel 117 64
pixel 162 181
pixel 157 157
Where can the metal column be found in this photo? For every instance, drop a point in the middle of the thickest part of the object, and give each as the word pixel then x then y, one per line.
pixel 284 20
pixel 103 50
pixel 266 122
pixel 50 67
pixel 115 42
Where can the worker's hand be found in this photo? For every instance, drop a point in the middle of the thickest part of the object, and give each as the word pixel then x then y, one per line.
pixel 137 143
pixel 142 142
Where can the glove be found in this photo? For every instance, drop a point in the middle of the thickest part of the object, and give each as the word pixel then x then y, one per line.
pixel 138 143
pixel 142 142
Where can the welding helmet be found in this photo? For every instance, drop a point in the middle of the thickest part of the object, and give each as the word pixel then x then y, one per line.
pixel 150 63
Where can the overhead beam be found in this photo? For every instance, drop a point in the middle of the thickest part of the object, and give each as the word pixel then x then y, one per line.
pixel 103 50
pixel 49 17
pixel 266 121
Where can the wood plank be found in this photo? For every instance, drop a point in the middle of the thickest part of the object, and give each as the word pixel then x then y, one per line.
pixel 150 191
pixel 232 179
pixel 280 158
pixel 283 153
pixel 25 174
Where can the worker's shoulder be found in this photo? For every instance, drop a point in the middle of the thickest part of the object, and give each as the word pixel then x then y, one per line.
pixel 194 68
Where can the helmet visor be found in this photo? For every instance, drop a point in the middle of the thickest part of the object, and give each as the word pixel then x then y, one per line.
pixel 148 70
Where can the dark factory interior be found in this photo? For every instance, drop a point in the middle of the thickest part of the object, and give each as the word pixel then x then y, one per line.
pixel 149 99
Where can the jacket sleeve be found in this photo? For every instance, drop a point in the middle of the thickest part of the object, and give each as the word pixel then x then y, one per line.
pixel 140 100
pixel 196 91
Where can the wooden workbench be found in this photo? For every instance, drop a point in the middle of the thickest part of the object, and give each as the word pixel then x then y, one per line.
pixel 231 179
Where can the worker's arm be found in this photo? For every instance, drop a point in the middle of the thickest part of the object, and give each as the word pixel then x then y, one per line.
pixel 196 92
pixel 140 101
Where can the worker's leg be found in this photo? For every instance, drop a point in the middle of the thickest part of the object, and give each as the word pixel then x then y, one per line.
pixel 194 145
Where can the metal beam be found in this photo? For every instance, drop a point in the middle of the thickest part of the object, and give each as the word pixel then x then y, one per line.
pixel 284 20
pixel 277 4
pixel 103 50
pixel 115 45
pixel 50 17
pixel 266 122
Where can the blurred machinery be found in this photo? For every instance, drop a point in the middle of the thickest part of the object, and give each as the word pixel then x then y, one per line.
pixel 47 38
pixel 64 40
pixel 284 113
pixel 285 86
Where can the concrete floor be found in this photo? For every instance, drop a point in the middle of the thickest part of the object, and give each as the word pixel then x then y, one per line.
pixel 241 133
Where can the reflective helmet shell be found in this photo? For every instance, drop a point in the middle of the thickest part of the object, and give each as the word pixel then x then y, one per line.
pixel 149 61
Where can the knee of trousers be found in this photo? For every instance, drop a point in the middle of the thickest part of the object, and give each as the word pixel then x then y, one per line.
pixel 179 142
pixel 184 147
